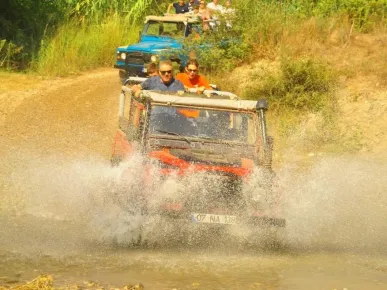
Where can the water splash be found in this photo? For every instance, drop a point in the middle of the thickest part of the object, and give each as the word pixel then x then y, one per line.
pixel 339 203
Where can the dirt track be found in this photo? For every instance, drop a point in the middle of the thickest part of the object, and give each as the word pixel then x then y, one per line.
pixel 55 144
pixel 75 116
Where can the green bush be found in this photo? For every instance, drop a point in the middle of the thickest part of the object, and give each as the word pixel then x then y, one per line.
pixel 219 51
pixel 303 84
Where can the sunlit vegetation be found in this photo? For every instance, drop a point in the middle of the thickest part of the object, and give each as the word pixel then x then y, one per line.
pixel 34 34
pixel 46 282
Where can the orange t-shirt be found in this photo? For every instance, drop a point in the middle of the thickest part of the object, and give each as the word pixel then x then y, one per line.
pixel 198 81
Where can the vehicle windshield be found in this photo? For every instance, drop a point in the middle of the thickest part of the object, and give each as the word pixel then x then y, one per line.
pixel 215 125
pixel 156 28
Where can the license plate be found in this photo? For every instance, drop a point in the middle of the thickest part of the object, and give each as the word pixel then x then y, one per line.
pixel 213 218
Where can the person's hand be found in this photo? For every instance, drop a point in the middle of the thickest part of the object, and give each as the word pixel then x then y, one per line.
pixel 136 88
pixel 200 90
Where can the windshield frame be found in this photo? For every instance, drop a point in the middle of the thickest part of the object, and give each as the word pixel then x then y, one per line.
pixel 147 25
pixel 176 136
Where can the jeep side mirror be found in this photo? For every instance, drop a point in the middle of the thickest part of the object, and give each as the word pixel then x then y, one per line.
pixel 262 105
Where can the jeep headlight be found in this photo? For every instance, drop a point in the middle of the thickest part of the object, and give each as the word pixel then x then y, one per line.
pixel 154 58
pixel 123 55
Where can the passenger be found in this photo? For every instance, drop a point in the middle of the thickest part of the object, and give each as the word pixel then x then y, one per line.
pixel 191 5
pixel 205 15
pixel 214 7
pixel 180 7
pixel 228 13
pixel 215 10
pixel 164 81
pixel 151 69
pixel 191 79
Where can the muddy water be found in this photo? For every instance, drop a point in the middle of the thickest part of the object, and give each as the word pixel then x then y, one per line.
pixel 336 236
pixel 54 174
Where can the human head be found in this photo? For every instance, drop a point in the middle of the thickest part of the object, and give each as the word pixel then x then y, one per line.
pixel 181 2
pixel 166 71
pixel 202 4
pixel 151 69
pixel 215 1
pixel 228 3
pixel 196 9
pixel 192 1
pixel 191 68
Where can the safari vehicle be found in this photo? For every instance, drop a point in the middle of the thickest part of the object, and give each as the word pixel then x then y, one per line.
pixel 213 144
pixel 162 36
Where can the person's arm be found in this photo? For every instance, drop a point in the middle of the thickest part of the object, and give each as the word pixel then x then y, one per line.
pixel 179 85
pixel 136 89
pixel 169 7
pixel 203 84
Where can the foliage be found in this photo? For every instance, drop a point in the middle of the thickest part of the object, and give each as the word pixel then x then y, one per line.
pixel 94 11
pixel 219 51
pixel 28 26
pixel 80 47
pixel 363 13
pixel 305 85
pixel 9 54
pixel 23 23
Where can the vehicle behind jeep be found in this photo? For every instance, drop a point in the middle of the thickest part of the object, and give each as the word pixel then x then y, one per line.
pixel 161 37
pixel 215 139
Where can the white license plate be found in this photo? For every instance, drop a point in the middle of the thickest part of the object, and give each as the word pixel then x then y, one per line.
pixel 213 218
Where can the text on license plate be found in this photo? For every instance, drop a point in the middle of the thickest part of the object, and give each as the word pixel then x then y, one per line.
pixel 213 218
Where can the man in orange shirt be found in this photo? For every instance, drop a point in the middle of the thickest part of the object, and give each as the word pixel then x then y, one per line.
pixel 191 79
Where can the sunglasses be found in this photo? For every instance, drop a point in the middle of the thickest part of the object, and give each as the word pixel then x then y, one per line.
pixel 192 70
pixel 164 72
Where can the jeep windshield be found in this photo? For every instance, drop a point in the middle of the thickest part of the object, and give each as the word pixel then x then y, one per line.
pixel 171 29
pixel 205 124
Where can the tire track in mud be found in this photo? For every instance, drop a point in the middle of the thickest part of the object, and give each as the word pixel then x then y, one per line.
pixel 71 118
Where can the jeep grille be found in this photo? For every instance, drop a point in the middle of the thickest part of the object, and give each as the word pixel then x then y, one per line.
pixel 137 58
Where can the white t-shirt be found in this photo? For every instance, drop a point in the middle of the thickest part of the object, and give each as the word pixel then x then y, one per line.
pixel 228 11
pixel 215 7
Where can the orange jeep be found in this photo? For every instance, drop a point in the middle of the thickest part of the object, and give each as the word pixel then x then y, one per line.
pixel 214 144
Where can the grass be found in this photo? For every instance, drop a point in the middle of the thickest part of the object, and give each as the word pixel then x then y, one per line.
pixel 78 47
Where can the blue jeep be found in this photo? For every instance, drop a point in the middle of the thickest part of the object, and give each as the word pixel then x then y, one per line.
pixel 162 37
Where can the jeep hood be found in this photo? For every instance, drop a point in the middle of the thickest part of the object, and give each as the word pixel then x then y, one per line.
pixel 152 46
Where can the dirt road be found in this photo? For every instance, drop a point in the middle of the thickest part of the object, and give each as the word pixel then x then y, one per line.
pixel 55 146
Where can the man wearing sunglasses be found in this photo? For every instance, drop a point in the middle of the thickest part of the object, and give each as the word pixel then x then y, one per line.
pixel 164 81
pixel 191 79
